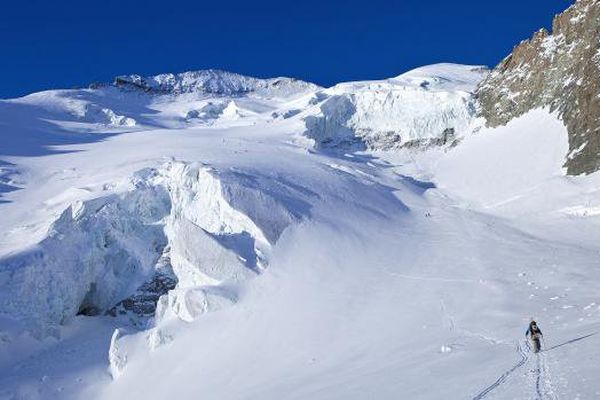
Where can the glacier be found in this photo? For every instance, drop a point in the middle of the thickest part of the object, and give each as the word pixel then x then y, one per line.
pixel 429 105
pixel 209 234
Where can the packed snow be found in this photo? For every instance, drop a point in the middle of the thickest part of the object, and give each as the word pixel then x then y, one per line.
pixel 290 244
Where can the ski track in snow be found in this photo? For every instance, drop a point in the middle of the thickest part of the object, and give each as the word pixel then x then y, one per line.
pixel 539 374
pixel 524 354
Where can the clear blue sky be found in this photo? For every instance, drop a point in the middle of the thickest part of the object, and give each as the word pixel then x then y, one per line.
pixel 67 43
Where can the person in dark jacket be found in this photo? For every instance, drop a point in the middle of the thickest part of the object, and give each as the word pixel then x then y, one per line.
pixel 535 335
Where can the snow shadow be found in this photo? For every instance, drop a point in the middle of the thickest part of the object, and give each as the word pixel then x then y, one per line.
pixel 6 185
pixel 242 244
pixel 418 186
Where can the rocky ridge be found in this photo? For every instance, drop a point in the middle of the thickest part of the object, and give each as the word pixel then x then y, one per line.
pixel 559 70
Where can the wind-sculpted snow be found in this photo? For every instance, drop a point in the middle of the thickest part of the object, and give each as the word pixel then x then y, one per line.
pixel 427 106
pixel 81 106
pixel 213 228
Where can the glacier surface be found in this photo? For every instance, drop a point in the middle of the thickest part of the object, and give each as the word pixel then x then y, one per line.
pixel 217 235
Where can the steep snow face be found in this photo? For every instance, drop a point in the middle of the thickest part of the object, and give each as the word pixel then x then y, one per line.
pixel 429 105
pixel 214 228
pixel 536 157
pixel 222 225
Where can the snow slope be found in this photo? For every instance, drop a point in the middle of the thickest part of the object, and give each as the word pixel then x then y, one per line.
pixel 299 273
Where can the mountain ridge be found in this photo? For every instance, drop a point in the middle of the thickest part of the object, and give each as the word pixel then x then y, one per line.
pixel 558 70
pixel 213 81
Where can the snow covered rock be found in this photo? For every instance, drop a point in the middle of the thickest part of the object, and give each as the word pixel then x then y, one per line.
pixel 215 82
pixel 106 116
pixel 426 106
pixel 208 112
pixel 141 305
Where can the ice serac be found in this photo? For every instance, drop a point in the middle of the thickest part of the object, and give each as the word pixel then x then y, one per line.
pixel 561 71
pixel 95 254
pixel 431 105
pixel 183 225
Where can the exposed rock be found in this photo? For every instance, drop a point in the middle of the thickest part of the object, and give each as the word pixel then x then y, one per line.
pixel 142 304
pixel 560 71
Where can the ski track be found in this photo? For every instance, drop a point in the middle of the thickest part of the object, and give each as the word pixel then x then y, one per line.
pixel 543 379
pixel 540 377
pixel 571 341
pixel 524 354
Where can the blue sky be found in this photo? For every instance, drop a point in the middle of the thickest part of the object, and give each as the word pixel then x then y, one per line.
pixel 66 43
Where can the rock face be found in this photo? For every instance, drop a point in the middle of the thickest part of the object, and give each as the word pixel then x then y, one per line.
pixel 560 71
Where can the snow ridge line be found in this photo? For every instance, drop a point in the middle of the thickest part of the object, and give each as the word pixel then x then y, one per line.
pixel 524 353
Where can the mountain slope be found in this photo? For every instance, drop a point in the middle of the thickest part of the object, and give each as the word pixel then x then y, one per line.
pixel 560 71
pixel 246 241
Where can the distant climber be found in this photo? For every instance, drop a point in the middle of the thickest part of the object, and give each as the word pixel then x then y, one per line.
pixel 535 335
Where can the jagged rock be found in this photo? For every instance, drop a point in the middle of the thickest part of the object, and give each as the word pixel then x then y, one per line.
pixel 142 304
pixel 560 71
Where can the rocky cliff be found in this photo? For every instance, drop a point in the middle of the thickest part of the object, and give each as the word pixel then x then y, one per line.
pixel 559 70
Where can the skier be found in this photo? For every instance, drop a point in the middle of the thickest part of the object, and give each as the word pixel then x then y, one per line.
pixel 535 335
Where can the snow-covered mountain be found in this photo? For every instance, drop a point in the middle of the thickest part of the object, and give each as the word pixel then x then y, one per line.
pixel 214 82
pixel 212 235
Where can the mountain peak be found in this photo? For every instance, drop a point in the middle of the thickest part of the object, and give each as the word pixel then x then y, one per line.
pixel 211 81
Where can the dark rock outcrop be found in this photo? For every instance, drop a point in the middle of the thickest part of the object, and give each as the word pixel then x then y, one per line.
pixel 560 71
pixel 142 304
